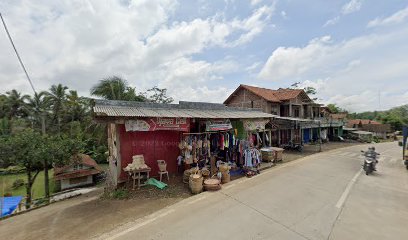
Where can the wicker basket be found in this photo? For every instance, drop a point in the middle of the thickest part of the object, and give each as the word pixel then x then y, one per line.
pixel 212 184
pixel 205 172
pixel 224 167
pixel 196 183
pixel 226 177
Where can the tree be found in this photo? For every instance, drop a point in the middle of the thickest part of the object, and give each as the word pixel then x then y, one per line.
pixel 115 88
pixel 56 97
pixel 37 106
pixel 24 149
pixel 15 103
pixel 57 151
pixel 159 95
pixel 308 90
pixel 333 108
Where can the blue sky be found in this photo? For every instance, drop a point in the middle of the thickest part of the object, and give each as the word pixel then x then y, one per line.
pixel 353 51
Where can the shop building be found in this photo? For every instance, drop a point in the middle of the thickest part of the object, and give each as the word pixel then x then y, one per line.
pixel 299 119
pixel 200 133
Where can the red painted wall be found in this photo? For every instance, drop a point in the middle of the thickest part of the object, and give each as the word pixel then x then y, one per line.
pixel 155 145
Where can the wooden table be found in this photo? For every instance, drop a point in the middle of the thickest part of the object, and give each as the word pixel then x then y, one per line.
pixel 137 174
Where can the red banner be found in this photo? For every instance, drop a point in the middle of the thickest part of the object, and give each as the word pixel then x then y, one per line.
pixel 155 124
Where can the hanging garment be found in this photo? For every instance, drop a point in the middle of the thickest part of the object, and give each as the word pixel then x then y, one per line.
pixel 222 142
pixel 226 140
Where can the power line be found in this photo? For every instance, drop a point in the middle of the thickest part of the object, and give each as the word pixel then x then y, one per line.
pixel 18 55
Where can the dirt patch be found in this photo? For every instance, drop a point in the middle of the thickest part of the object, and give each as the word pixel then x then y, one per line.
pixel 90 215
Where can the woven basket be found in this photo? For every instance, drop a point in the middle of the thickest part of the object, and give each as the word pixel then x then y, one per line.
pixel 205 172
pixel 224 167
pixel 212 184
pixel 226 177
pixel 196 183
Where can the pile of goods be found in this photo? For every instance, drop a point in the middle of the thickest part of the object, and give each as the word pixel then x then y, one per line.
pixel 138 163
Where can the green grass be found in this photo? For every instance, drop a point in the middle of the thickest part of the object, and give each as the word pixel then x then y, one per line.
pixel 6 181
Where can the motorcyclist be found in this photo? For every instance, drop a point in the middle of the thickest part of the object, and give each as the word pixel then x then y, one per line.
pixel 372 154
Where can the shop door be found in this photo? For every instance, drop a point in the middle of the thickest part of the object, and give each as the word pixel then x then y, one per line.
pixel 306 135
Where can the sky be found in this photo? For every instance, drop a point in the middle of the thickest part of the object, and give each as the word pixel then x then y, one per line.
pixel 354 52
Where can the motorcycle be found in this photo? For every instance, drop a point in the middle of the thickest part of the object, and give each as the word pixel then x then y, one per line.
pixel 370 161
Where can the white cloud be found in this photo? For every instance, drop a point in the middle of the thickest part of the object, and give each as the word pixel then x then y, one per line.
pixel 396 18
pixel 255 2
pixel 253 67
pixel 352 6
pixel 79 42
pixel 381 64
pixel 332 21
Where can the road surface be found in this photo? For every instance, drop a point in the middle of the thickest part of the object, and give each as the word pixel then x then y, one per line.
pixel 324 196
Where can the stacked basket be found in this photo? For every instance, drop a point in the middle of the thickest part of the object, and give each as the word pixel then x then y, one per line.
pixel 196 182
pixel 225 173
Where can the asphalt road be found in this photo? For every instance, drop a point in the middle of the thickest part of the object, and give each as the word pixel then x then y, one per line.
pixel 323 196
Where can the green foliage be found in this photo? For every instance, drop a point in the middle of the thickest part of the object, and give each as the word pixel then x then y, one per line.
pixel 6 182
pixel 333 108
pixel 159 95
pixel 12 170
pixel 116 88
pixel 397 117
pixel 18 183
pixel 119 193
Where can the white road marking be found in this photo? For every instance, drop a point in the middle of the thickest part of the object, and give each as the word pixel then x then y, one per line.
pixel 347 190
pixel 140 224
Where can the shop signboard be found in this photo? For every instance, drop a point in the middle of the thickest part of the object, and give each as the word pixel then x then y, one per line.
pixel 251 125
pixel 155 124
pixel 218 125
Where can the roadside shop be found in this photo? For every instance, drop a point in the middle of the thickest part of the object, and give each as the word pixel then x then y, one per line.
pixel 185 135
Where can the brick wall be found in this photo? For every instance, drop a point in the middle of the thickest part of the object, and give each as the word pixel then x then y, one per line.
pixel 246 99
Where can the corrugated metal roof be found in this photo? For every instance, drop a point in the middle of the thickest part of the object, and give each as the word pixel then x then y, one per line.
pixel 121 109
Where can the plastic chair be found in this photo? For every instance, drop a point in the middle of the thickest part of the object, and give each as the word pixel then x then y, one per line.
pixel 161 173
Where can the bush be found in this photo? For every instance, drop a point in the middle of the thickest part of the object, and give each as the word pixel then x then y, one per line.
pixel 18 183
pixel 12 170
pixel 119 193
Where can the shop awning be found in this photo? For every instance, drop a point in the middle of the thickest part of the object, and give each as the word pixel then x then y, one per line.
pixel 122 109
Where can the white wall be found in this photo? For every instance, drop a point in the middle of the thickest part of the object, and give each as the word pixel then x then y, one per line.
pixel 65 183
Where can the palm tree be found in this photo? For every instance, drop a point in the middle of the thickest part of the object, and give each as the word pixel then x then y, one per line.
pixel 56 97
pixel 15 102
pixel 37 107
pixel 115 88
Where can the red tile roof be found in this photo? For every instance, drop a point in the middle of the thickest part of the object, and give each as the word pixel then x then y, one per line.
pixel 268 94
pixel 61 173
pixel 282 94
pixel 353 122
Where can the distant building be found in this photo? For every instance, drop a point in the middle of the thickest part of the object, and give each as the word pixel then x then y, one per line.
pixel 298 118
pixel 79 173
pixel 377 129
